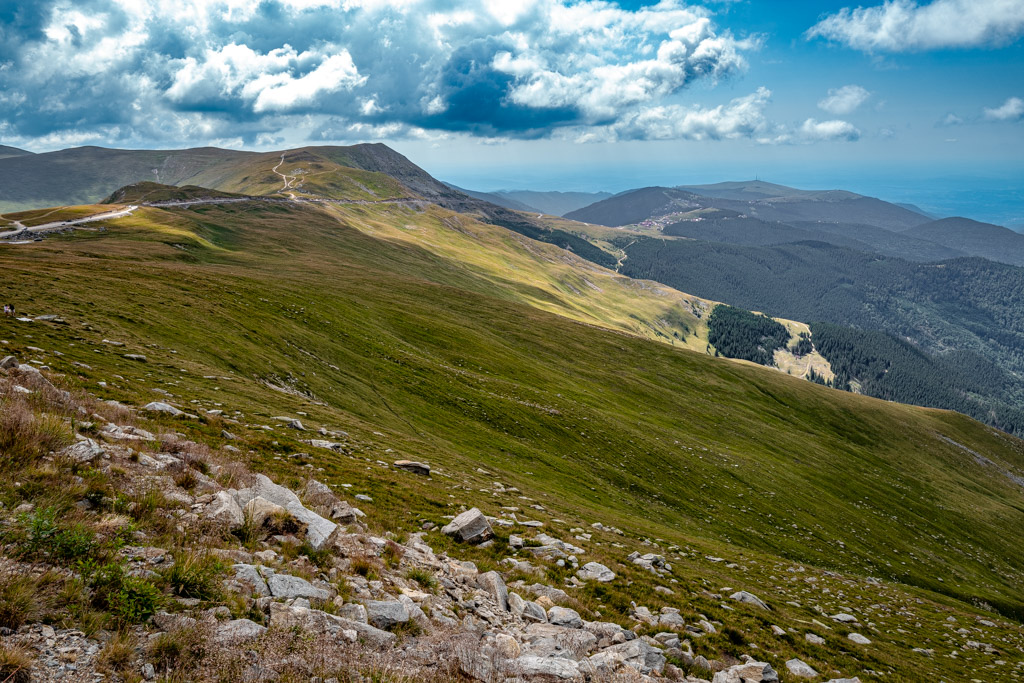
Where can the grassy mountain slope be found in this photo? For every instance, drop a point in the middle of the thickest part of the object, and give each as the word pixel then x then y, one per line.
pixel 88 174
pixel 8 151
pixel 379 335
pixel 993 242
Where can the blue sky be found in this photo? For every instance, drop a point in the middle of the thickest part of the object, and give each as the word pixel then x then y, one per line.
pixel 911 101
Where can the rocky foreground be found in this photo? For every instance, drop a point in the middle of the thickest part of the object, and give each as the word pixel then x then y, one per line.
pixel 158 558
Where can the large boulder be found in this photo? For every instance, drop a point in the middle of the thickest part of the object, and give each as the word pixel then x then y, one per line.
pixel 469 527
pixel 595 571
pixel 224 511
pixel 751 672
pixel 748 598
pixel 420 468
pixel 318 529
pixel 636 654
pixel 288 586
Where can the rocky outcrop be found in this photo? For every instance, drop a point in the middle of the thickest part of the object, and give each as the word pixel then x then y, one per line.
pixel 318 529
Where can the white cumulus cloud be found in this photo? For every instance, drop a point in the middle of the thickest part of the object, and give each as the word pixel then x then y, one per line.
pixel 905 25
pixel 1011 110
pixel 844 100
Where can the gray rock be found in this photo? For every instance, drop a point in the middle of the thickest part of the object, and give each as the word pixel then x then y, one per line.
pixel 148 671
pixel 84 451
pixel 353 611
pixel 225 434
pixel 248 574
pixel 495 585
pixel 413 466
pixel 288 586
pixel 386 614
pixel 563 616
pixel 801 669
pixel 859 639
pixel 556 667
pixel 296 425
pixel 748 598
pixel 469 527
pixel 8 362
pixel 161 407
pixel 224 511
pixel 318 493
pixel 136 357
pixel 595 571
pixel 844 680
pixel 239 629
pixel 671 620
pixel 751 672
pixel 318 529
pixel 814 639
pixel 317 622
pixel 844 618
pixel 634 653
pixel 555 595
pixel 516 605
pixel 535 613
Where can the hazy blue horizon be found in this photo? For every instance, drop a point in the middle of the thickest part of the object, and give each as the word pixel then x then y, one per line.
pixel 994 197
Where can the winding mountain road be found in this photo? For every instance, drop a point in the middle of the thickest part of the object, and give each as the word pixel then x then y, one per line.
pixel 22 231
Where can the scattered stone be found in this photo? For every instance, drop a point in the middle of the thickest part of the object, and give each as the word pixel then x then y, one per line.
pixel 469 527
pixel 413 466
pixel 563 616
pixel 8 362
pixel 161 407
pixel 801 669
pixel 748 598
pixel 635 653
pixel 751 672
pixel 844 618
pixel 386 615
pixel 136 357
pixel 239 629
pixel 288 586
pixel 595 571
pixel 814 639
pixel 859 639
pixel 83 451
pixel 495 585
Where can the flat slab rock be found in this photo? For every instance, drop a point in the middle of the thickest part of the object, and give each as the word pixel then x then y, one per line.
pixel 751 672
pixel 288 586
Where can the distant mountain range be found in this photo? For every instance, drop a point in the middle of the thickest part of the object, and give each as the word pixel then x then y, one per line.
pixel 551 203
